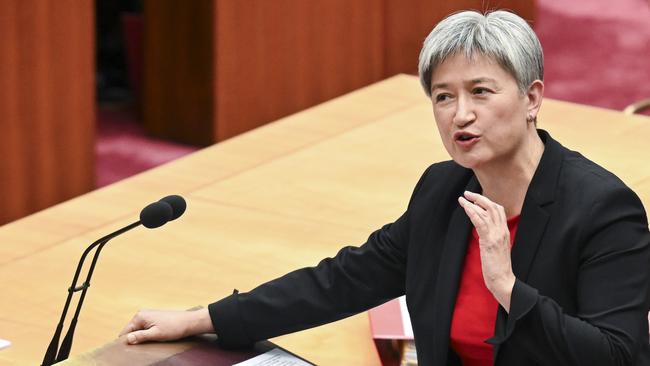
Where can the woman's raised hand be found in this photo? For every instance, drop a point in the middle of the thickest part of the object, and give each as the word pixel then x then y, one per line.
pixel 489 219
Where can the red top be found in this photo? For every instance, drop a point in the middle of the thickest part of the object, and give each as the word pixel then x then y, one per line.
pixel 476 308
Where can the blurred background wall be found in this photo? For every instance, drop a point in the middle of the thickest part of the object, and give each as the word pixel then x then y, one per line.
pixel 47 103
pixel 91 93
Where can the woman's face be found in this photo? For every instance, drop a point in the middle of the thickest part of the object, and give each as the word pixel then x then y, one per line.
pixel 480 112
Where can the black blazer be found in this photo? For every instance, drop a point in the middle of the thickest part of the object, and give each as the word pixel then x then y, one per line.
pixel 581 257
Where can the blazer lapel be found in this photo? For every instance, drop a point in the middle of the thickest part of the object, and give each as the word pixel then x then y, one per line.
pixel 534 216
pixel 529 235
pixel 527 240
pixel 534 219
pixel 448 278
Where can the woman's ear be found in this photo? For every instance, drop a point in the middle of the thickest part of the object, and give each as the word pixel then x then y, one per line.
pixel 535 95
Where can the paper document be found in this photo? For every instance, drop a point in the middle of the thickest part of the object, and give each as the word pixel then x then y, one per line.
pixel 406 317
pixel 274 357
pixel 4 343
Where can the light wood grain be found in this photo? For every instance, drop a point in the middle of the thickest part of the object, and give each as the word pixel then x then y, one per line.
pixel 279 197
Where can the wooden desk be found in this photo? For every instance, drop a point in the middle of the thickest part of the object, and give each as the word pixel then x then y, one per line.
pixel 276 198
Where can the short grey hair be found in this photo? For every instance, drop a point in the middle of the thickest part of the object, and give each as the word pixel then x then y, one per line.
pixel 499 35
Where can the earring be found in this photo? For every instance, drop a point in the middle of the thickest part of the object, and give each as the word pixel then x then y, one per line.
pixel 530 118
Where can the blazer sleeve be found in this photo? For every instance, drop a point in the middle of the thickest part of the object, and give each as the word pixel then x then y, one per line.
pixel 354 280
pixel 612 293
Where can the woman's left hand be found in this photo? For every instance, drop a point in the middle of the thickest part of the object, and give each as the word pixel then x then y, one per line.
pixel 489 219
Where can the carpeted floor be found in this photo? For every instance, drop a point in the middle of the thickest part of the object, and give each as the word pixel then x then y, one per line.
pixel 123 148
pixel 597 52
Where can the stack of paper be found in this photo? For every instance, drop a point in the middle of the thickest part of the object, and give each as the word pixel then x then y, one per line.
pixel 4 343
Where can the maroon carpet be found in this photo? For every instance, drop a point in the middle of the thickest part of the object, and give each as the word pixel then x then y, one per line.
pixel 596 53
pixel 123 149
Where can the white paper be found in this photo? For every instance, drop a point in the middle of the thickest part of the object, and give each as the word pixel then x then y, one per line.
pixel 406 318
pixel 4 343
pixel 274 357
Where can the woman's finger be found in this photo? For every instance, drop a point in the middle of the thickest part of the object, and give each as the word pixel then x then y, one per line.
pixel 127 329
pixel 475 213
pixel 139 321
pixel 495 211
pixel 145 335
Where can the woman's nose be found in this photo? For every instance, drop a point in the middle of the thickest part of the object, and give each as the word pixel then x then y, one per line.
pixel 464 112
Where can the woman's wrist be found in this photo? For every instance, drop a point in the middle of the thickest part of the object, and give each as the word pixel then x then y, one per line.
pixel 503 292
pixel 200 322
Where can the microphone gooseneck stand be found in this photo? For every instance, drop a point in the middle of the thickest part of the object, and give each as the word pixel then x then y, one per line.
pixel 152 216
pixel 52 356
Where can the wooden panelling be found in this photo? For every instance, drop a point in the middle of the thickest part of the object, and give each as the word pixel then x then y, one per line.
pixel 217 68
pixel 47 103
pixel 407 26
pixel 275 58
pixel 178 75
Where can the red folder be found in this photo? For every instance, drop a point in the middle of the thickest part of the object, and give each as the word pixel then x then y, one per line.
pixel 390 327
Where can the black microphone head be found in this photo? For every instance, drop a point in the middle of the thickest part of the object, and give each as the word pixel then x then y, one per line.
pixel 178 205
pixel 156 214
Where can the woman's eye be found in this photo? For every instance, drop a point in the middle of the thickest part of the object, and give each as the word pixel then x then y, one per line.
pixel 480 91
pixel 442 97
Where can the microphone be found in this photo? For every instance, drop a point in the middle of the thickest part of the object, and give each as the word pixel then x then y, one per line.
pixel 177 203
pixel 156 214
pixel 152 216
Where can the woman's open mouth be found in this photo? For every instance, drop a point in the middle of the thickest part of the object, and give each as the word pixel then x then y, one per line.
pixel 466 139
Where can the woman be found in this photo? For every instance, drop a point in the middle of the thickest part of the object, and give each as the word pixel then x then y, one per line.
pixel 517 239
